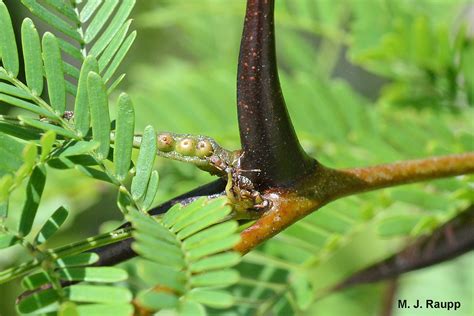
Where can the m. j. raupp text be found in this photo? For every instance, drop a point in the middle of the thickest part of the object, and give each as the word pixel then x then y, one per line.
pixel 447 305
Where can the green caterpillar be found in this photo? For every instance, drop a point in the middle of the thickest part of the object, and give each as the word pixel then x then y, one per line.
pixel 195 149
pixel 202 151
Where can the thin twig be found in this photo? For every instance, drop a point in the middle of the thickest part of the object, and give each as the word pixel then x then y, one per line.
pixel 452 239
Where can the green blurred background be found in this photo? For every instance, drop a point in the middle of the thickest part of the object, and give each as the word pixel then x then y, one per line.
pixel 366 82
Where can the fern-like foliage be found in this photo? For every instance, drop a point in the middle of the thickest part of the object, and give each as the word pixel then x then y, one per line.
pixel 56 138
pixel 193 264
pixel 188 262
pixel 418 47
pixel 98 28
pixel 85 134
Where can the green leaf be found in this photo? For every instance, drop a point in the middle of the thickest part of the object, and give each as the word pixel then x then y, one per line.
pixel 3 208
pixel 151 190
pixel 79 148
pixel 34 190
pixel 18 131
pixel 397 225
pixel 124 201
pixel 157 300
pixel 68 309
pixel 153 273
pixel 219 261
pixel 53 67
pixel 148 224
pixel 211 298
pixel 25 105
pixel 47 142
pixel 81 107
pixel 70 49
pixel 30 154
pixel 52 225
pixel 71 70
pixel 213 247
pixel 422 41
pixel 64 8
pixel 99 109
pixel 99 20
pixel 124 136
pixel 114 45
pixel 35 280
pixel 191 309
pixel 302 289
pixel 167 255
pixel 193 215
pixel 144 166
pixel 8 49
pixel 47 127
pixel 93 274
pixel 119 18
pixel 32 57
pixel 82 259
pixel 115 84
pixel 89 9
pixel 178 211
pixel 7 240
pixel 117 60
pixel 14 91
pixel 48 17
pixel 215 278
pixel 206 219
pixel 98 294
pixel 10 150
pixel 105 309
pixel 94 173
pixel 37 300
pixel 71 88
pixel 6 183
pixel 211 234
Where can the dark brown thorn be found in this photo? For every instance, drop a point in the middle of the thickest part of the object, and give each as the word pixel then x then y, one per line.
pixel 266 132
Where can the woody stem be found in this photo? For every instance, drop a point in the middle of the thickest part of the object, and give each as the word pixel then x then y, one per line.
pixel 326 185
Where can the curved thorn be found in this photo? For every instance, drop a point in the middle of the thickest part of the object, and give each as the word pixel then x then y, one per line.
pixel 266 132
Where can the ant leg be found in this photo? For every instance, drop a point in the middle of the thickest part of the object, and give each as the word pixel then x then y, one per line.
pixel 259 202
pixel 228 188
pixel 264 204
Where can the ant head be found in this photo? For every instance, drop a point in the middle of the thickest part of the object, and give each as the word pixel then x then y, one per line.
pixel 217 162
pixel 236 158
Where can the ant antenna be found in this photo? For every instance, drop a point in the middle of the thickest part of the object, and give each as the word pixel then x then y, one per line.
pixel 244 170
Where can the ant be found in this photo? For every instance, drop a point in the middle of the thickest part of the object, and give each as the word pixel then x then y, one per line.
pixel 239 188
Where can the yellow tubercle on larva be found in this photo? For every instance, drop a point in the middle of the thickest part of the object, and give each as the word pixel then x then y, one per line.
pixel 186 147
pixel 165 142
pixel 204 149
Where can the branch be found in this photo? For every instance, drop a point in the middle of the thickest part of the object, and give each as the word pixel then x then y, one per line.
pixel 326 185
pixel 449 241
pixel 411 171
pixel 121 251
pixel 267 135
